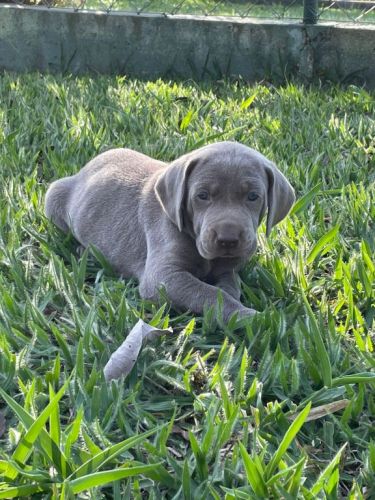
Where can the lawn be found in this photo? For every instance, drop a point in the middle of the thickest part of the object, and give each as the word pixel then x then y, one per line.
pixel 280 406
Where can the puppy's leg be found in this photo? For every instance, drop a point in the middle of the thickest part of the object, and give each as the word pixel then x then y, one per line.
pixel 185 291
pixel 229 282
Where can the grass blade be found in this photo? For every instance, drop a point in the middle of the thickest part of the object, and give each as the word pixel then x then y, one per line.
pixel 356 378
pixel 305 200
pixel 48 446
pixel 323 358
pixel 24 448
pixel 286 441
pixel 321 243
pixel 325 475
pixel 101 458
pixel 19 491
pixel 253 475
pixel 100 478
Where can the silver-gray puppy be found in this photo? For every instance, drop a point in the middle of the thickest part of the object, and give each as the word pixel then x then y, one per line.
pixel 188 226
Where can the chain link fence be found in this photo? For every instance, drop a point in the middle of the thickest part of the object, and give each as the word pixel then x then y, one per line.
pixel 308 11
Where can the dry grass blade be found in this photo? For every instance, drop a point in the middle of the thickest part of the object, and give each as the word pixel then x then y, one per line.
pixel 323 410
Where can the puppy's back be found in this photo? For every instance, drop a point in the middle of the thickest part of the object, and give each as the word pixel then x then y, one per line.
pixel 100 206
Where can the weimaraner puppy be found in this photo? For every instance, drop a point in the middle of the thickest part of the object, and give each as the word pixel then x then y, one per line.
pixel 187 227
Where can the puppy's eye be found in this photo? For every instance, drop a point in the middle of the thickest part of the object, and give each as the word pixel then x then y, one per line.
pixel 203 195
pixel 252 196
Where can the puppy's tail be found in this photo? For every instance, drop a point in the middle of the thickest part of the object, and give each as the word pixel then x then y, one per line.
pixel 56 204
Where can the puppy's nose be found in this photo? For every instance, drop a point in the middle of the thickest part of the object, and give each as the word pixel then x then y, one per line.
pixel 227 236
pixel 229 243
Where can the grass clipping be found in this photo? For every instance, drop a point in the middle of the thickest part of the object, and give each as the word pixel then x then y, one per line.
pixel 122 361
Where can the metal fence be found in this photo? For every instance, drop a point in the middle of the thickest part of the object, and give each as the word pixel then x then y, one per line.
pixel 308 11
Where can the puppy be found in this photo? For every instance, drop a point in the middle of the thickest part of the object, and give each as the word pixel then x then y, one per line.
pixel 188 226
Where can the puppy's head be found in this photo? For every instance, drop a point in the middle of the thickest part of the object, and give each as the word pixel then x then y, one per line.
pixel 220 193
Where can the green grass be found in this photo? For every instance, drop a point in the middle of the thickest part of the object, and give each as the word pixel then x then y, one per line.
pixel 212 410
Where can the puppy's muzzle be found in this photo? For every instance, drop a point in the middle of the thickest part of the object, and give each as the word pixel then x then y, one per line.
pixel 225 240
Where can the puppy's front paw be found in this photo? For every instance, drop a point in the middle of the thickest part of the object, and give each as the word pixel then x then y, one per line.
pixel 246 312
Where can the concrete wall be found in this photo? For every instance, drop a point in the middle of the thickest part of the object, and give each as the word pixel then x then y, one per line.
pixel 149 46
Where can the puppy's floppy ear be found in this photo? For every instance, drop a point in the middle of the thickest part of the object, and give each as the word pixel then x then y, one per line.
pixel 170 188
pixel 280 196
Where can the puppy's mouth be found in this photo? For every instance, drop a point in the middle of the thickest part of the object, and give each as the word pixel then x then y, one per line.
pixel 243 251
pixel 230 254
